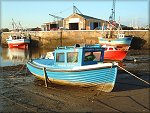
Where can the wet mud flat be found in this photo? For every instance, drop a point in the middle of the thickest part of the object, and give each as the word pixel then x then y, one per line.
pixel 20 91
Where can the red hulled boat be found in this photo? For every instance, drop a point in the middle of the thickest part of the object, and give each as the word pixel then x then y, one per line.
pixel 113 53
pixel 18 41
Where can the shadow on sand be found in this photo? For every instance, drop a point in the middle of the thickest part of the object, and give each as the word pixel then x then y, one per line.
pixel 125 82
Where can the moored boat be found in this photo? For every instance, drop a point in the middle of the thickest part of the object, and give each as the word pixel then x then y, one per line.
pixel 114 53
pixel 74 65
pixel 119 41
pixel 18 41
pixel 110 38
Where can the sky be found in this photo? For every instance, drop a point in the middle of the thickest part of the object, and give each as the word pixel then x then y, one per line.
pixel 33 13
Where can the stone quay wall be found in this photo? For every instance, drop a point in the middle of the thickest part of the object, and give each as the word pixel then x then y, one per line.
pixel 52 39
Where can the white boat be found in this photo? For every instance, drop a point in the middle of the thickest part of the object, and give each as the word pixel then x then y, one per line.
pixel 18 41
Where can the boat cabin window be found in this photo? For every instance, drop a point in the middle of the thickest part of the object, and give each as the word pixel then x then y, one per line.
pixel 111 48
pixel 60 57
pixel 72 57
pixel 120 35
pixel 116 48
pixel 92 56
pixel 14 37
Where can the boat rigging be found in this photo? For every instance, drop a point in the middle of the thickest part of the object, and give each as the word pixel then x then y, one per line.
pixel 112 16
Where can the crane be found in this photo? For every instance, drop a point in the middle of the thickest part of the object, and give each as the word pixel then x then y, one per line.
pixel 75 10
pixel 15 27
pixel 56 17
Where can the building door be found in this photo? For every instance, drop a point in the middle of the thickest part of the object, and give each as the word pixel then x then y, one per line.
pixel 95 24
pixel 73 26
pixel 53 26
pixel 91 26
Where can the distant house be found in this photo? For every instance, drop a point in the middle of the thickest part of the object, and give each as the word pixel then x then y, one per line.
pixel 33 29
pixel 52 25
pixel 76 21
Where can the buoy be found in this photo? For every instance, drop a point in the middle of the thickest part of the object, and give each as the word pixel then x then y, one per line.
pixel 134 59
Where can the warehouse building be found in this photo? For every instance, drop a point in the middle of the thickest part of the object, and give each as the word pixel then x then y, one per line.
pixel 76 21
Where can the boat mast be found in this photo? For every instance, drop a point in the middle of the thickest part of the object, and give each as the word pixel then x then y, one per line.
pixel 14 25
pixel 112 16
pixel 119 26
pixel 112 20
pixel 20 27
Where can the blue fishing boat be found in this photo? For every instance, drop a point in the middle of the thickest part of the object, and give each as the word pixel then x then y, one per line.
pixel 76 65
pixel 109 38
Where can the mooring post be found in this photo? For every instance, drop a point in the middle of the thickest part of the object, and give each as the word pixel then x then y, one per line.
pixel 61 37
pixel 45 75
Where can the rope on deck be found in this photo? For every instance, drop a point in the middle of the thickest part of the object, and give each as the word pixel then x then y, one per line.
pixel 134 75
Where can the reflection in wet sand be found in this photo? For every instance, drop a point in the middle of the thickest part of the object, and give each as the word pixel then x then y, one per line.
pixel 16 54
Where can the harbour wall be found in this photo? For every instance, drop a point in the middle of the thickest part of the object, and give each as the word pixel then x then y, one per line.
pixel 52 39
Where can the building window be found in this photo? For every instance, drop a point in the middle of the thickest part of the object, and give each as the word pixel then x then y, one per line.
pixel 94 25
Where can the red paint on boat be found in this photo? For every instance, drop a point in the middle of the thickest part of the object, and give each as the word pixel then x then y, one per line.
pixel 18 42
pixel 18 45
pixel 112 53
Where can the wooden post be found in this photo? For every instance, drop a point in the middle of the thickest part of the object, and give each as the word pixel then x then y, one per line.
pixel 61 37
pixel 45 75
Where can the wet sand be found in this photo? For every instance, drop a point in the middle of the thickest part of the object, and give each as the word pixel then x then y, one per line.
pixel 20 91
